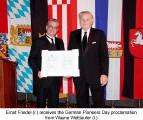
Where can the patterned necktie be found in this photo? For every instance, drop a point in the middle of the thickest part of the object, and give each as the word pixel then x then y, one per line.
pixel 84 41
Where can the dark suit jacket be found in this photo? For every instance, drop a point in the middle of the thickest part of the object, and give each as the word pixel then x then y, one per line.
pixel 94 61
pixel 35 62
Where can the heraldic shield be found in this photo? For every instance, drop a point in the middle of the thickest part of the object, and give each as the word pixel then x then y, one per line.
pixel 136 42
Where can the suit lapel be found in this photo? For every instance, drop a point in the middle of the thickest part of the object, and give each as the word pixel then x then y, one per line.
pixel 79 39
pixel 57 44
pixel 79 44
pixel 90 39
pixel 47 44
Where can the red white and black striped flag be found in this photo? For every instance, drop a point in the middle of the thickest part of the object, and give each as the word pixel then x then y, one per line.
pixel 132 20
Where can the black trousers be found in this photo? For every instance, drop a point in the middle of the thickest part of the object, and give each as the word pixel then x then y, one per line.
pixel 82 94
pixel 51 93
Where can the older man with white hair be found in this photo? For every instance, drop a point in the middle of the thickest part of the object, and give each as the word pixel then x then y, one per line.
pixel 93 61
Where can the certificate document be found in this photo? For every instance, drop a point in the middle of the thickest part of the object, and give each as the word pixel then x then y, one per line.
pixel 60 63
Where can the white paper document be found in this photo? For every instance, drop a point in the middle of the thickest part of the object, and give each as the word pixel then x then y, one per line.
pixel 60 63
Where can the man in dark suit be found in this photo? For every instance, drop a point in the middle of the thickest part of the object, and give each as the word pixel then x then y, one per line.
pixel 45 87
pixel 93 62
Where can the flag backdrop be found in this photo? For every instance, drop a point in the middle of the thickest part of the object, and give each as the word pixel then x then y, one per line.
pixel 3 28
pixel 107 17
pixel 39 17
pixel 19 41
pixel 114 17
pixel 133 78
pixel 138 79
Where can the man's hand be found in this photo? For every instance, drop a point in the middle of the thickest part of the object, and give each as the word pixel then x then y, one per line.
pixel 103 80
pixel 39 74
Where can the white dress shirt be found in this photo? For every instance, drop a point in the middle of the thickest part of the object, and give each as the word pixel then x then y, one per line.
pixel 82 34
pixel 49 38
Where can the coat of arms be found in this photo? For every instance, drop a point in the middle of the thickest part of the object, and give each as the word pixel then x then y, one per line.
pixel 20 35
pixel 136 42
pixel 115 49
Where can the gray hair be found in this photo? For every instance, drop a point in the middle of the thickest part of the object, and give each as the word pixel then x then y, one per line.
pixel 85 12
pixel 53 20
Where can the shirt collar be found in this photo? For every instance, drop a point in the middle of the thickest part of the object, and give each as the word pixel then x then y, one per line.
pixel 86 31
pixel 82 33
pixel 49 38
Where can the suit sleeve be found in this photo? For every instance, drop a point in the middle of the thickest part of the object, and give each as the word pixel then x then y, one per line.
pixel 33 57
pixel 70 42
pixel 62 45
pixel 104 55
